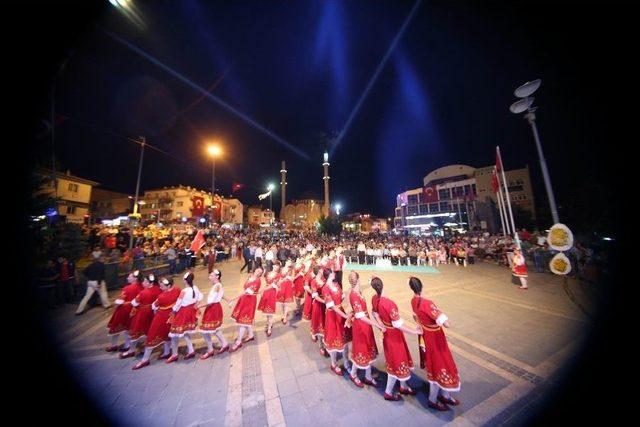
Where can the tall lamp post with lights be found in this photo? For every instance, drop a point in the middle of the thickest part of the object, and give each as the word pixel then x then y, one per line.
pixel 526 104
pixel 270 187
pixel 214 151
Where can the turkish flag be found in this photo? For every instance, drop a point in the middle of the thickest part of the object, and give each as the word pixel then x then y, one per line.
pixel 198 206
pixel 494 181
pixel 198 242
pixel 236 186
pixel 430 194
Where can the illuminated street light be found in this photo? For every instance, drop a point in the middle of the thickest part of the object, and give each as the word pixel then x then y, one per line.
pixel 338 207
pixel 214 151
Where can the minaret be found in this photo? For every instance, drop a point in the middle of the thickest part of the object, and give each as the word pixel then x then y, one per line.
pixel 325 208
pixel 283 186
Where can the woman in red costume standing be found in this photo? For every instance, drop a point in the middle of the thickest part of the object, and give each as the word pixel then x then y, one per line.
pixel 284 297
pixel 364 350
pixel 159 329
pixel 520 268
pixel 335 334
pixel 318 310
pixel 435 355
pixel 308 301
pixel 141 314
pixel 185 320
pixel 213 315
pixel 121 319
pixel 245 309
pixel 298 285
pixel 267 303
pixel 396 352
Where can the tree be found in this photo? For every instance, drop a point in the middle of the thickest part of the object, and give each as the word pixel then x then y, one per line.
pixel 522 218
pixel 330 225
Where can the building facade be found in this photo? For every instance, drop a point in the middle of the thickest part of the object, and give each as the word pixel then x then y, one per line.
pixel 177 203
pixel 73 194
pixel 364 223
pixel 459 197
pixel 258 217
pixel 302 214
pixel 107 204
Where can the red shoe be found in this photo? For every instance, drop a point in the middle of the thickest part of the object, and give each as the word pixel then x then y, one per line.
pixel 437 406
pixel 127 354
pixel 408 391
pixel 284 321
pixel 269 331
pixel 371 382
pixel 140 365
pixel 324 352
pixel 190 355
pixel 393 397
pixel 164 356
pixel 336 370
pixel 451 401
pixel 223 349
pixel 235 347
pixel 112 348
pixel 245 340
pixel 172 359
pixel 356 381
pixel 314 338
pixel 524 288
pixel 207 355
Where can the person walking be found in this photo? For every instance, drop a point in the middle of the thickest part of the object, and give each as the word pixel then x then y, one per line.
pixel 246 254
pixel 95 283
pixel 213 316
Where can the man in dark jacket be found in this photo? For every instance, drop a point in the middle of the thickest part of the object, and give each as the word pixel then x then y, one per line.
pixel 94 274
pixel 248 259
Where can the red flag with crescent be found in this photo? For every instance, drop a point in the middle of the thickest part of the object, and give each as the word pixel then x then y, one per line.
pixel 494 181
pixel 198 206
pixel 198 241
pixel 430 194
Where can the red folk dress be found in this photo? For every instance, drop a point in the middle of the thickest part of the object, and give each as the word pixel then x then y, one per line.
pixel 519 266
pixel 396 352
pixel 286 291
pixel 213 315
pixel 364 349
pixel 142 313
pixel 267 303
pixel 160 326
pixel 308 301
pixel 298 284
pixel 245 309
pixel 120 319
pixel 317 310
pixel 185 318
pixel 335 337
pixel 441 369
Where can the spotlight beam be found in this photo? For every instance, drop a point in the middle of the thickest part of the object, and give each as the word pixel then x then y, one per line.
pixel 373 79
pixel 210 96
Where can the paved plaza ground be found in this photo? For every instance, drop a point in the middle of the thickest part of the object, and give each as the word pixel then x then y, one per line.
pixel 508 344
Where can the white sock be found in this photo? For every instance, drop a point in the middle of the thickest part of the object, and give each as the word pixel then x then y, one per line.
pixel 433 392
pixel 223 342
pixel 249 331
pixel 174 346
pixel 113 339
pixel 166 348
pixel 354 370
pixel 189 343
pixel 334 358
pixel 445 394
pixel 241 333
pixel 367 373
pixel 127 340
pixel 403 384
pixel 147 354
pixel 390 383
pixel 207 340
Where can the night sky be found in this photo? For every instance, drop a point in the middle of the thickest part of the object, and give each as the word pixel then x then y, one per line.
pixel 298 69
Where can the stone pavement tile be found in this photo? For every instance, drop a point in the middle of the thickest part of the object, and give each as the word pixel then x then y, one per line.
pixel 312 397
pixel 287 388
pixel 284 374
pixel 300 418
pixel 189 414
pixel 303 368
pixel 322 415
pixel 214 409
pixel 307 381
pixel 292 404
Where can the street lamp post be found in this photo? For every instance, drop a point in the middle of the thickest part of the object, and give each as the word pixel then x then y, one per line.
pixel 214 151
pixel 270 188
pixel 135 201
pixel 526 104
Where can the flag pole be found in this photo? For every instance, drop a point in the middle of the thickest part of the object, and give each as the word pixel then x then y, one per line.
pixel 498 194
pixel 506 191
pixel 503 213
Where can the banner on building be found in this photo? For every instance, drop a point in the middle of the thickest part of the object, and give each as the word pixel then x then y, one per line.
pixel 197 209
pixel 430 194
